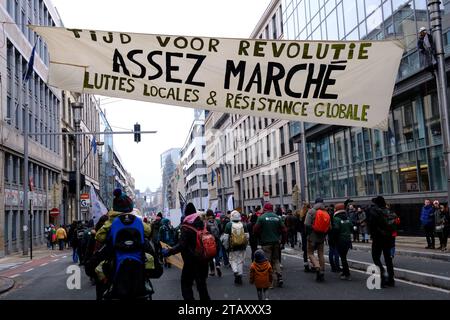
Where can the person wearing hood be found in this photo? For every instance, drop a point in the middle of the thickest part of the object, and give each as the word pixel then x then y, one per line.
pixel 342 233
pixel 261 274
pixel 315 240
pixel 194 267
pixel 272 233
pixel 428 223
pixel 235 240
pixel 381 233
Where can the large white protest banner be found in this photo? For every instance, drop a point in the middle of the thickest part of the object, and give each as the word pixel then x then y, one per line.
pixel 345 83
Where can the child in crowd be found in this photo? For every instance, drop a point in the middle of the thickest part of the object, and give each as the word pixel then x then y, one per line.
pixel 261 274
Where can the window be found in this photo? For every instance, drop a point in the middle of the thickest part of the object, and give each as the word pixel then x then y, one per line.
pixel 282 141
pixel 293 175
pixel 274 27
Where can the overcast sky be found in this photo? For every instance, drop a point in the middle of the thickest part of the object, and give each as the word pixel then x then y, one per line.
pixel 214 18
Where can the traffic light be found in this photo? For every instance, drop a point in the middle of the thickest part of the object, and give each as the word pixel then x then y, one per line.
pixel 137 132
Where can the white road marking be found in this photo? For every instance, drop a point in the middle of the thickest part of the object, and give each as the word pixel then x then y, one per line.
pixel 44 264
pixel 14 276
pixel 399 280
pixel 29 270
pixel 64 257
pixel 55 260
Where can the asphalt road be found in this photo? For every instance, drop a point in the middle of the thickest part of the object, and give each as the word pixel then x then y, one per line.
pixel 46 279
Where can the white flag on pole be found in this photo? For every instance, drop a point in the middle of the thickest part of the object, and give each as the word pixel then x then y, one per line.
pixel 230 203
pixel 98 208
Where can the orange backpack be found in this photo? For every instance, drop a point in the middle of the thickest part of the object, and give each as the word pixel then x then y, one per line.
pixel 205 248
pixel 321 222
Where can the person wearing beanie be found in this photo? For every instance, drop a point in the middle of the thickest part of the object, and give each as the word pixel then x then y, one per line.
pixel 342 234
pixel 261 274
pixel 194 267
pixel 121 204
pixel 316 240
pixel 272 234
pixel 235 240
pixel 382 239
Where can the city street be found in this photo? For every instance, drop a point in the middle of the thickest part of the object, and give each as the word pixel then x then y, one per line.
pixel 45 279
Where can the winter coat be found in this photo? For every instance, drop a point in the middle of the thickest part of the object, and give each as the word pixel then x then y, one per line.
pixel 291 222
pixel 270 229
pixel 342 227
pixel 61 234
pixel 166 232
pixel 261 274
pixel 427 216
pixel 378 226
pixel 362 221
pixel 313 236
pixel 188 241
pixel 442 218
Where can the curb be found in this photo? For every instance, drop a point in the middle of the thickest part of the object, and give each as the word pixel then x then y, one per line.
pixel 409 275
pixel 410 253
pixel 403 274
pixel 6 284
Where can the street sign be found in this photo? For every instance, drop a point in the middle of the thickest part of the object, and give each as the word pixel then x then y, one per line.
pixel 85 201
pixel 54 212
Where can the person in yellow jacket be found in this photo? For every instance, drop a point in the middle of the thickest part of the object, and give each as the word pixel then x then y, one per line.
pixel 61 236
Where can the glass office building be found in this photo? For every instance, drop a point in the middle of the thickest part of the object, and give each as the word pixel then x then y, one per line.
pixel 404 164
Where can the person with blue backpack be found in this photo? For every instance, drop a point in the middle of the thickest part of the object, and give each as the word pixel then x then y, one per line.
pixel 123 241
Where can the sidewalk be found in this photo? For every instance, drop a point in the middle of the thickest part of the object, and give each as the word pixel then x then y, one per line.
pixel 18 257
pixel 412 261
pixel 412 247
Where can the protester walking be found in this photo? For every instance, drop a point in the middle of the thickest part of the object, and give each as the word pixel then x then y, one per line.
pixel 333 253
pixel 342 231
pixel 317 225
pixel 195 268
pixel 261 274
pixel 428 223
pixel 291 223
pixel 61 236
pixel 212 226
pixel 272 233
pixel 302 229
pixel 381 233
pixel 235 240
pixel 253 238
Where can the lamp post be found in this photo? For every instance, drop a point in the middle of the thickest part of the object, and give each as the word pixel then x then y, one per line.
pixel 27 217
pixel 441 80
pixel 77 106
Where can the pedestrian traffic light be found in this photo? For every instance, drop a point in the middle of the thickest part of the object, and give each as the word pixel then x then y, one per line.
pixel 137 132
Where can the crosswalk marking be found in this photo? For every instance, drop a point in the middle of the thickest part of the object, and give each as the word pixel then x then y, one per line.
pixel 44 264
pixel 31 269
pixel 15 276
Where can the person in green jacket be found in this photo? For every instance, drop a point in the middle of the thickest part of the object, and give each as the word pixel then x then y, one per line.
pixel 342 229
pixel 272 233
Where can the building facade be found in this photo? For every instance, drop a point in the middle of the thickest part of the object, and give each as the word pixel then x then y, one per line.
pixel 29 102
pixel 193 160
pixel 404 164
pixel 169 160
pixel 249 156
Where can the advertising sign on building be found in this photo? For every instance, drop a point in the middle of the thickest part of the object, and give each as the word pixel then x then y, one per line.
pixel 346 83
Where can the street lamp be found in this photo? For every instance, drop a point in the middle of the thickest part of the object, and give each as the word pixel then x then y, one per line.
pixel 77 106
